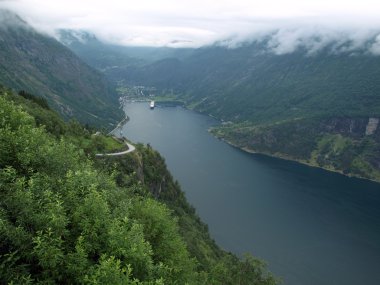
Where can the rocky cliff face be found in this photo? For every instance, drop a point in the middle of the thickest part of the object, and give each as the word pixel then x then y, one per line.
pixel 352 127
pixel 372 126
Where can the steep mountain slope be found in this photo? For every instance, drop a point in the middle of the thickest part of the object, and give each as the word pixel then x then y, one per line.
pixel 41 65
pixel 99 55
pixel 349 145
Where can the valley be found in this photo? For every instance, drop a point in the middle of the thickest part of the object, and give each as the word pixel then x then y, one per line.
pixel 297 106
pixel 268 135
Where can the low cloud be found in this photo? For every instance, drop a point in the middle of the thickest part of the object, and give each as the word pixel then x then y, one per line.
pixel 285 26
pixel 375 47
pixel 316 39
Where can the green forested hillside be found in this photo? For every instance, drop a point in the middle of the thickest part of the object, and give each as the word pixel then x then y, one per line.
pixel 68 218
pixel 41 65
pixel 334 143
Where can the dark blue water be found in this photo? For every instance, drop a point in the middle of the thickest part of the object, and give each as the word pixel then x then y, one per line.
pixel 311 226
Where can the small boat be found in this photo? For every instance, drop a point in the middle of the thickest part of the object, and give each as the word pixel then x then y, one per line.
pixel 152 104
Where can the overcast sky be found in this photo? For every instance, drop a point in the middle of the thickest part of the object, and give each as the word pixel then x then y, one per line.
pixel 199 22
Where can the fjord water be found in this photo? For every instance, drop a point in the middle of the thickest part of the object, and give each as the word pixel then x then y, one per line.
pixel 313 227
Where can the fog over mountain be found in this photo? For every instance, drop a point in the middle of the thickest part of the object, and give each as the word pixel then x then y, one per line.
pixel 314 39
pixel 340 25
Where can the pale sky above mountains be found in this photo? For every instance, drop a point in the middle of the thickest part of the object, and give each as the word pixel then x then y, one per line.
pixel 193 23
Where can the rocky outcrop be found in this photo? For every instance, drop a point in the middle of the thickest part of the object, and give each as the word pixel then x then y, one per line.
pixel 355 128
pixel 352 127
pixel 371 126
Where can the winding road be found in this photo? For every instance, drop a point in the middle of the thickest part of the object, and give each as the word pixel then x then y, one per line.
pixel 130 146
pixel 130 149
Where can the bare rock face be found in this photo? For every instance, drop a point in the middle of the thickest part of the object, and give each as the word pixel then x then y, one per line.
pixel 371 126
pixel 352 127
pixel 355 128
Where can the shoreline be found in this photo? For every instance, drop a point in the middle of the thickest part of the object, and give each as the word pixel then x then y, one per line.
pixel 289 158
pixel 120 124
pixel 278 156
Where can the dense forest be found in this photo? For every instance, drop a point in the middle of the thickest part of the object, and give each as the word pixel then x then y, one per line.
pixel 67 217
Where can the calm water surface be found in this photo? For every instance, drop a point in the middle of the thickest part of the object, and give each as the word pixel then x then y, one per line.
pixel 311 226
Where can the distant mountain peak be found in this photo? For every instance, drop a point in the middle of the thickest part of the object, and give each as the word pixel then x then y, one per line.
pixel 69 36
